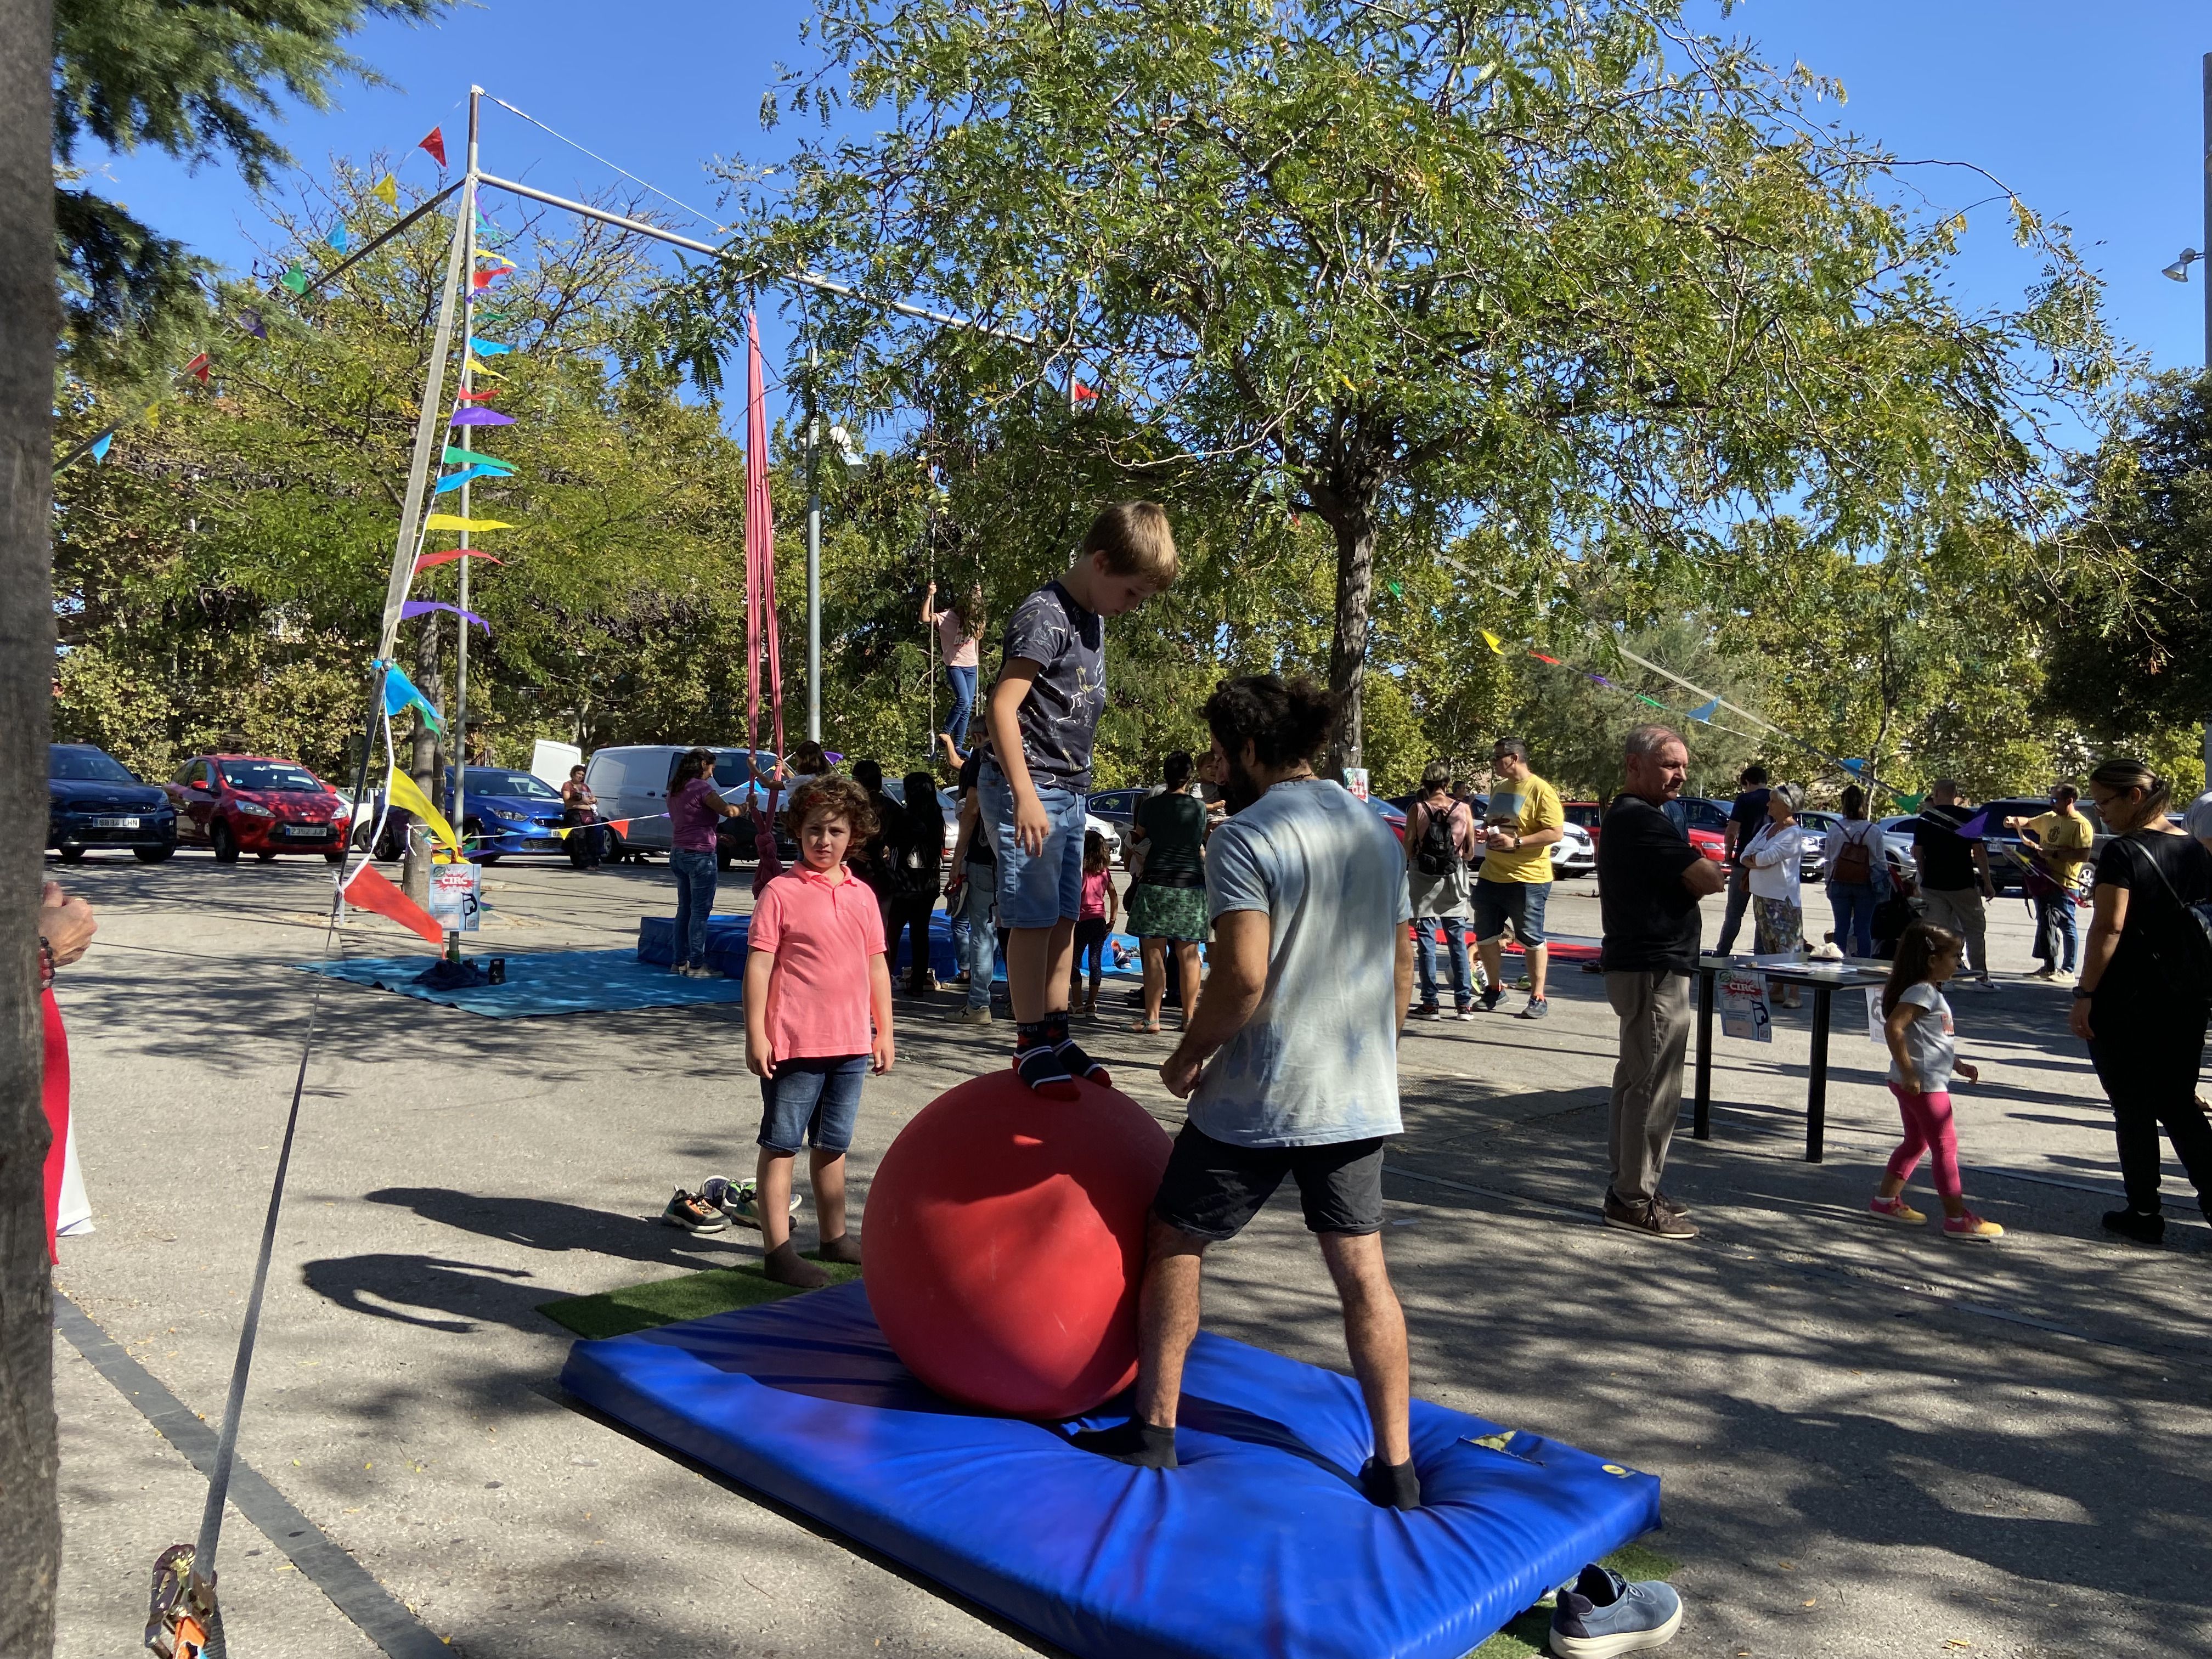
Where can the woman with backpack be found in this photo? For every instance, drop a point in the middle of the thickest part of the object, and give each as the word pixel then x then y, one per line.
pixel 1440 880
pixel 2145 988
pixel 1857 874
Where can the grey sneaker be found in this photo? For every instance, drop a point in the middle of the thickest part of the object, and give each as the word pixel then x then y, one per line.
pixel 1466 1011
pixel 692 1213
pixel 738 1199
pixel 1652 1220
pixel 1427 1010
pixel 1601 1614
pixel 1537 1008
pixel 970 1017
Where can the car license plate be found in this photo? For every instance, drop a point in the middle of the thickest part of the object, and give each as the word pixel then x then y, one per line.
pixel 306 831
pixel 115 823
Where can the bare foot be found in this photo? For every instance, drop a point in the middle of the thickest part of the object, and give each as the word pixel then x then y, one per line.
pixel 786 1266
pixel 843 1248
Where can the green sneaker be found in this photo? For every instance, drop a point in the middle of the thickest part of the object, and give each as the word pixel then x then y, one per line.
pixel 738 1199
pixel 692 1213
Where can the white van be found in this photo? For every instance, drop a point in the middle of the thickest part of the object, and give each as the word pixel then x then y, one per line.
pixel 631 781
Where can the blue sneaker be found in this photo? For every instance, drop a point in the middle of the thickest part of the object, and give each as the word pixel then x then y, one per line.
pixel 1602 1615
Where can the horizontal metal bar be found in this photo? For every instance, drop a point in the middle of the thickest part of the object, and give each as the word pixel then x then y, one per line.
pixel 803 279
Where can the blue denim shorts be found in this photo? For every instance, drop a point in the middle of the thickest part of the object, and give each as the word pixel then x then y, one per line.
pixel 1521 902
pixel 1043 890
pixel 812 1103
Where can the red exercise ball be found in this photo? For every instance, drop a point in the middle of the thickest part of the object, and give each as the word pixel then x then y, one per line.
pixel 1006 1241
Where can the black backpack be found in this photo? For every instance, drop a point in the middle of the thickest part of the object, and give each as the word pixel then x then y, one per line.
pixel 1436 855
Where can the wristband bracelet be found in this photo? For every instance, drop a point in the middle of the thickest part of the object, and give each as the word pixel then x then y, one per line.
pixel 45 965
pixel 2083 993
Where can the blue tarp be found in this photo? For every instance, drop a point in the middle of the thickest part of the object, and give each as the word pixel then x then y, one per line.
pixel 1260 1546
pixel 726 948
pixel 541 982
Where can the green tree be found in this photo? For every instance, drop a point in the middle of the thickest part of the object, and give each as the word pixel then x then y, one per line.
pixel 1569 272
pixel 196 81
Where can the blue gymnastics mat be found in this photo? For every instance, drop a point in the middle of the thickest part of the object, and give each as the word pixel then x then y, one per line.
pixel 541 982
pixel 1260 1546
pixel 726 935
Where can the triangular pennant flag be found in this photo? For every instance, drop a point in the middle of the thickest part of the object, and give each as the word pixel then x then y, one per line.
pixel 367 888
pixel 470 458
pixel 337 239
pixel 251 323
pixel 424 607
pixel 482 278
pixel 1081 394
pixel 488 348
pixel 197 368
pixel 1540 657
pixel 153 415
pixel 491 316
pixel 1652 703
pixel 1602 681
pixel 428 560
pixel 386 190
pixel 1705 711
pixel 620 826
pixel 455 480
pixel 404 793
pixel 99 449
pixel 1977 826
pixel 295 279
pixel 436 144
pixel 1491 640
pixel 400 696
pixel 455 521
pixel 483 396
pixel 480 417
pixel 1911 803
pixel 476 367
pixel 1855 767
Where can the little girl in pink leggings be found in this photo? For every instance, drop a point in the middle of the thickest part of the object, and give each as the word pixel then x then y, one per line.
pixel 1923 1054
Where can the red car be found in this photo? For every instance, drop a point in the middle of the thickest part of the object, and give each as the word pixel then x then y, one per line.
pixel 234 804
pixel 1705 822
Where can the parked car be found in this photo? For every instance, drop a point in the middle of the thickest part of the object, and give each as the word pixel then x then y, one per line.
pixel 94 800
pixel 1588 816
pixel 1705 822
pixel 2007 849
pixel 631 781
pixel 1117 807
pixel 257 803
pixel 1897 842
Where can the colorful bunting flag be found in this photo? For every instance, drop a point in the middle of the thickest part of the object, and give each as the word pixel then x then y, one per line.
pixel 99 449
pixel 251 323
pixel 470 458
pixel 386 190
pixel 1491 640
pixel 424 607
pixel 404 793
pixel 1081 394
pixel 400 696
pixel 488 348
pixel 455 480
pixel 1540 657
pixel 368 889
pixel 1911 803
pixel 1977 826
pixel 337 239
pixel 480 417
pixel 1705 711
pixel 434 144
pixel 1855 767
pixel 455 521
pixel 429 560
pixel 1652 703
pixel 197 368
pixel 482 278
pixel 295 279
pixel 484 396
pixel 153 414
pixel 477 367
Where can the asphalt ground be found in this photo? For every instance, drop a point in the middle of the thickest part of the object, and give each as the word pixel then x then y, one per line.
pixel 1872 1441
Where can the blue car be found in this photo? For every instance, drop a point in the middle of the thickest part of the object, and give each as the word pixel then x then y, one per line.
pixel 94 800
pixel 503 811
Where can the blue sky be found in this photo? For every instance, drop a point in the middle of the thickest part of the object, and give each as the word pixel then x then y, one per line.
pixel 2092 113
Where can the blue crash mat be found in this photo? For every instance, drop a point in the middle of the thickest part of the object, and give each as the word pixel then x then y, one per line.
pixel 1259 1546
pixel 540 982
pixel 727 937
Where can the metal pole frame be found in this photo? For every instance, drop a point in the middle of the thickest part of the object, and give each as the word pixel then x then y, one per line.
pixel 457 795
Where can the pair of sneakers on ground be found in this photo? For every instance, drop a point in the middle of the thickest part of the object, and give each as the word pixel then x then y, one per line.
pixel 1658 1217
pixel 717 1203
pixel 1486 1003
pixel 695 970
pixel 1965 1224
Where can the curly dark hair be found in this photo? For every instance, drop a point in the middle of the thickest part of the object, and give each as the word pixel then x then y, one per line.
pixel 1285 721
pixel 838 795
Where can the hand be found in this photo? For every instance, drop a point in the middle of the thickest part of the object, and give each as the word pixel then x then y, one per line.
pixel 1180 1073
pixel 760 1059
pixel 66 924
pixel 1972 1073
pixel 2078 1021
pixel 880 1053
pixel 1030 825
pixel 1989 890
pixel 1498 841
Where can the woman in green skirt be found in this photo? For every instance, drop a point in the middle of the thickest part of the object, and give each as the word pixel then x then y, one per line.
pixel 1167 902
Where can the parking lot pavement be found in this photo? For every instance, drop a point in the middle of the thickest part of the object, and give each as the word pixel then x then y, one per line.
pixel 1872 1444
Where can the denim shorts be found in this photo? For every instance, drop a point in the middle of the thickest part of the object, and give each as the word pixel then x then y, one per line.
pixel 1521 902
pixel 812 1103
pixel 1045 890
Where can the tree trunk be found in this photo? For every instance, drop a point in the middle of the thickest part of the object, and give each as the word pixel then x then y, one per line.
pixel 1347 650
pixel 30 1542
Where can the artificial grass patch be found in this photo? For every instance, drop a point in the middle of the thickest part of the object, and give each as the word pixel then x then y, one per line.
pixel 687 1296
pixel 1526 1634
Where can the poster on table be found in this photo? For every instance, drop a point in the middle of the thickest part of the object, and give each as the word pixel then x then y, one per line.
pixel 455 902
pixel 1744 1012
pixel 1876 1031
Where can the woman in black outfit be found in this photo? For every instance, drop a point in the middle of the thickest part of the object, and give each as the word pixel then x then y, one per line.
pixel 917 851
pixel 2146 984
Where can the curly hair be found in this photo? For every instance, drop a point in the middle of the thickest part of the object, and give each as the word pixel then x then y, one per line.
pixel 1283 722
pixel 839 796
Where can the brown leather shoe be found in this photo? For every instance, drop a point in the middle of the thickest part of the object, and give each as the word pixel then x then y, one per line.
pixel 1669 1205
pixel 1647 1218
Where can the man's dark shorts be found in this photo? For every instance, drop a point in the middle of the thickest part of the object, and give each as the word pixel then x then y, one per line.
pixel 1212 1188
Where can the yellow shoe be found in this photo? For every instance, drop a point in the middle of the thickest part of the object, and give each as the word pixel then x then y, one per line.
pixel 1896 1209
pixel 1970 1225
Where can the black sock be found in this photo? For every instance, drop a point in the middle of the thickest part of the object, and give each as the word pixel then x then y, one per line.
pixel 1390 1486
pixel 1146 1445
pixel 1079 1064
pixel 1037 1059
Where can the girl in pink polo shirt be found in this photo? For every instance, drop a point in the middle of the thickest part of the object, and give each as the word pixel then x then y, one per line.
pixel 817 1017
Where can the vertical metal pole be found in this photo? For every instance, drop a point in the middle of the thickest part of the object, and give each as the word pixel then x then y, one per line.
pixel 813 554
pixel 457 802
pixel 2205 267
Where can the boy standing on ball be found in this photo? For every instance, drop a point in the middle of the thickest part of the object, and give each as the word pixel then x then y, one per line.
pixel 1305 992
pixel 1034 784
pixel 816 983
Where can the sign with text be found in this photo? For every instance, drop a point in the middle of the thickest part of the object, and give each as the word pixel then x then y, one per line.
pixel 1744 1011
pixel 1355 780
pixel 455 902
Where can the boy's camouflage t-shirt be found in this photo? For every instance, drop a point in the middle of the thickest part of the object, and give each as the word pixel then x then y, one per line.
pixel 1059 717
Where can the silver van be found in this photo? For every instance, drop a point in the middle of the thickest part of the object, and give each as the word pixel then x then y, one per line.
pixel 631 781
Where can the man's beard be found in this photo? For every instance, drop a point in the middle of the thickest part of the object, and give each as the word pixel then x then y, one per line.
pixel 1239 789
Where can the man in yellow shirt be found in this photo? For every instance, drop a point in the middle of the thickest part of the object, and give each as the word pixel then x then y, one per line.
pixel 2059 842
pixel 1515 880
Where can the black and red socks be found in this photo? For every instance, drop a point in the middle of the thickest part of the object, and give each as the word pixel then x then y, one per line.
pixel 1078 1063
pixel 1390 1486
pixel 1037 1057
pixel 1146 1445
